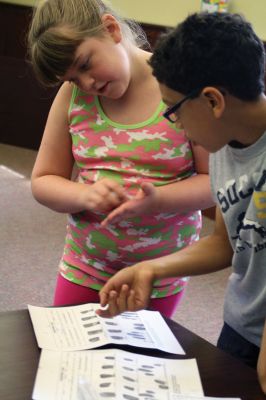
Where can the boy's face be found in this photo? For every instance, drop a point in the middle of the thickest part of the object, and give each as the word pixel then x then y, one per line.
pixel 198 117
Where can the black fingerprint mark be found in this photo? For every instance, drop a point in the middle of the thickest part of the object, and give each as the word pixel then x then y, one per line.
pixel 117 337
pixel 104 376
pixel 86 311
pixel 87 318
pixel 94 339
pixel 107 394
pixel 159 382
pixel 128 368
pixel 107 366
pixel 94 332
pixel 130 315
pixel 136 335
pixel 105 384
pixel 91 324
pixel 130 397
pixel 140 327
pixel 127 378
pixel 129 388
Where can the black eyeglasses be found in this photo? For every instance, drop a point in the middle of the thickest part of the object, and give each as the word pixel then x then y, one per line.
pixel 171 113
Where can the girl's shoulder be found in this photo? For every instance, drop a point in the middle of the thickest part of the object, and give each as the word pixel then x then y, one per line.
pixel 64 93
pixel 69 93
pixel 62 99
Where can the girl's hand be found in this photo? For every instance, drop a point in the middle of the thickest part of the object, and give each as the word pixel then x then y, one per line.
pixel 102 196
pixel 146 201
pixel 128 290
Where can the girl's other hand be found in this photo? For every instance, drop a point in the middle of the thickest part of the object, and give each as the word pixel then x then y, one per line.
pixel 102 196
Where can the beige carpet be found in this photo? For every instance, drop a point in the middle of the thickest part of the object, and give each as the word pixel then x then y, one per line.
pixel 31 241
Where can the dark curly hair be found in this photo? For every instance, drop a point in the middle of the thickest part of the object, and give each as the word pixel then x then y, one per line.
pixel 211 49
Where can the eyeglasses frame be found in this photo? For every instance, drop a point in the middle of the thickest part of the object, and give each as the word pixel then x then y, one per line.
pixel 175 107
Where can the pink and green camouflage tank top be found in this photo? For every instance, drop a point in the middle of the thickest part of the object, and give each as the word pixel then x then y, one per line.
pixel 153 151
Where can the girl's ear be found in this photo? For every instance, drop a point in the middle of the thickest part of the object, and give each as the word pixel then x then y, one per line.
pixel 112 27
pixel 215 100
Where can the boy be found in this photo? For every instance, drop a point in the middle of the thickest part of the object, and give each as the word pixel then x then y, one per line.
pixel 211 74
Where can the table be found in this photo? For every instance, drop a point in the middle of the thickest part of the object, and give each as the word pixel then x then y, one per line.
pixel 221 374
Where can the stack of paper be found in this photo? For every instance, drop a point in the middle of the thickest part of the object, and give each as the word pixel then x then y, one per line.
pixel 80 328
pixel 114 374
pixel 67 373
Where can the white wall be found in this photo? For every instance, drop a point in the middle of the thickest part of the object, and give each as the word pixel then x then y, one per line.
pixel 170 12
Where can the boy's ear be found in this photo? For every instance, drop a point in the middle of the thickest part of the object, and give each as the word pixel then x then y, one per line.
pixel 112 27
pixel 215 100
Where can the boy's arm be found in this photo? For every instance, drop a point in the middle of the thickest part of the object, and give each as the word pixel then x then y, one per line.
pixel 130 288
pixel 261 366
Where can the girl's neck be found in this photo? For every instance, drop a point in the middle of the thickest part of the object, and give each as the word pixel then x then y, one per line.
pixel 142 97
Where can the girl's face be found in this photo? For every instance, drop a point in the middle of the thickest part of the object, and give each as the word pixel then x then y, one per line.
pixel 101 67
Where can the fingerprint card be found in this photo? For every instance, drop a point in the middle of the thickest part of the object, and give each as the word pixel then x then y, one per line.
pixel 80 328
pixel 114 374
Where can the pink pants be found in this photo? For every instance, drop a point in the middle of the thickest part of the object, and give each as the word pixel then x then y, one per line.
pixel 69 293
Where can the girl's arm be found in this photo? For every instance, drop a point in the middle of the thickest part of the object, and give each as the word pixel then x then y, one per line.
pixel 261 366
pixel 51 176
pixel 193 193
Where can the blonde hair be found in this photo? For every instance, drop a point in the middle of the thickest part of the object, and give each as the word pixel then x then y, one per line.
pixel 58 27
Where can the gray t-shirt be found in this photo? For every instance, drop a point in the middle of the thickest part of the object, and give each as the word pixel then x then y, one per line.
pixel 238 179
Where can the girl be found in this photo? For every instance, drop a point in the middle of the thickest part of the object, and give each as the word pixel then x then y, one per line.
pixel 139 181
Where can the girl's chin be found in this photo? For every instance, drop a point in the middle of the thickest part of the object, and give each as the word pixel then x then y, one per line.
pixel 104 89
pixel 114 92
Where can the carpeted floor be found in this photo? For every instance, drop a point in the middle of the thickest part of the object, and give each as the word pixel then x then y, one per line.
pixel 32 237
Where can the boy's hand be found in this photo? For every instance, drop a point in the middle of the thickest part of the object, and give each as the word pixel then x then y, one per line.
pixel 146 202
pixel 128 290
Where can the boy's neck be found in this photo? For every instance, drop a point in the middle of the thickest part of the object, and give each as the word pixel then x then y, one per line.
pixel 249 122
pixel 237 145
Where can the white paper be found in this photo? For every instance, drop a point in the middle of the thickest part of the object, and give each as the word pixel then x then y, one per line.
pixel 79 328
pixel 115 374
pixel 205 398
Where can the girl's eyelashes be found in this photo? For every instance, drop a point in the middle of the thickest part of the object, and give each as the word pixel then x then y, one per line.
pixel 84 66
